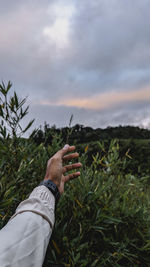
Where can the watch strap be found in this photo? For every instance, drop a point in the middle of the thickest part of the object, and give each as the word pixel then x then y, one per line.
pixel 52 187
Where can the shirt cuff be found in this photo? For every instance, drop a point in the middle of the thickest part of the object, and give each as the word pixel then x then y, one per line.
pixel 40 201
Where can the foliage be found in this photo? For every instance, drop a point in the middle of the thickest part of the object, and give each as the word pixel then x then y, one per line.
pixel 136 152
pixel 84 134
pixel 11 113
pixel 103 217
pixel 133 141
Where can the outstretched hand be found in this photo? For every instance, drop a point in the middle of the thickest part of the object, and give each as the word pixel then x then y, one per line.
pixel 56 171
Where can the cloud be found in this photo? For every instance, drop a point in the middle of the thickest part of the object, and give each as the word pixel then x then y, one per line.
pixel 58 32
pixel 104 100
pixel 86 54
pixel 133 113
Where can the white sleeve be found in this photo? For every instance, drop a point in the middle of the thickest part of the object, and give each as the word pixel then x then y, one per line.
pixel 24 239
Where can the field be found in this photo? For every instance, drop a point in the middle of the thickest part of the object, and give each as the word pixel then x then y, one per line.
pixel 103 218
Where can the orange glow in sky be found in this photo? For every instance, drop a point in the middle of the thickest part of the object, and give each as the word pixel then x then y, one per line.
pixel 104 100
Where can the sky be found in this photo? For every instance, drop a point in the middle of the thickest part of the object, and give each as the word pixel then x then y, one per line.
pixel 89 58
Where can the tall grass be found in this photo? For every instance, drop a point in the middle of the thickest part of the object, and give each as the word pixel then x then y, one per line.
pixel 102 219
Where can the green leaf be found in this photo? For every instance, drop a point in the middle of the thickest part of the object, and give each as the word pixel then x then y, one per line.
pixel 28 126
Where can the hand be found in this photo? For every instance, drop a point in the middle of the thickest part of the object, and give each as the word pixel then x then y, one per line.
pixel 55 170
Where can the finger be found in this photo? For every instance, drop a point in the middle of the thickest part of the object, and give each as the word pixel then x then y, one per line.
pixel 72 167
pixel 66 149
pixel 71 176
pixel 71 156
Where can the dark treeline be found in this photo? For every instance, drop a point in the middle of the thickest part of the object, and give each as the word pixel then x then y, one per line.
pixel 80 134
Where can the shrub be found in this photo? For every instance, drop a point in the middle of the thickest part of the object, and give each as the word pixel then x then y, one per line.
pixel 102 219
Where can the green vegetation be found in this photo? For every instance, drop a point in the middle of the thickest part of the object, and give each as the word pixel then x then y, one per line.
pixel 133 141
pixel 103 218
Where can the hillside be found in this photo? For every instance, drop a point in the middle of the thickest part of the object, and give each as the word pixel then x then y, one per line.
pixel 134 142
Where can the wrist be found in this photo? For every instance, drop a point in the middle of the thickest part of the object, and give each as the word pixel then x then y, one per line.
pixel 55 181
pixel 52 187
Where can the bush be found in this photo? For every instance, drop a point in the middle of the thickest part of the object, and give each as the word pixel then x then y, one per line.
pixel 102 219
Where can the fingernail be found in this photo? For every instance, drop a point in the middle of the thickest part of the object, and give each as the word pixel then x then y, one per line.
pixel 66 146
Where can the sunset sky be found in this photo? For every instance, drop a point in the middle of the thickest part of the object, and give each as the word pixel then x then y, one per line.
pixel 89 58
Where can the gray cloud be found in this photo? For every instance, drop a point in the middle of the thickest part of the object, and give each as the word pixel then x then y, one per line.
pixel 137 114
pixel 108 50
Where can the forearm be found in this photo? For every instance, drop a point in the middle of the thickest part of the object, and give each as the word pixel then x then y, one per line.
pixel 24 240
